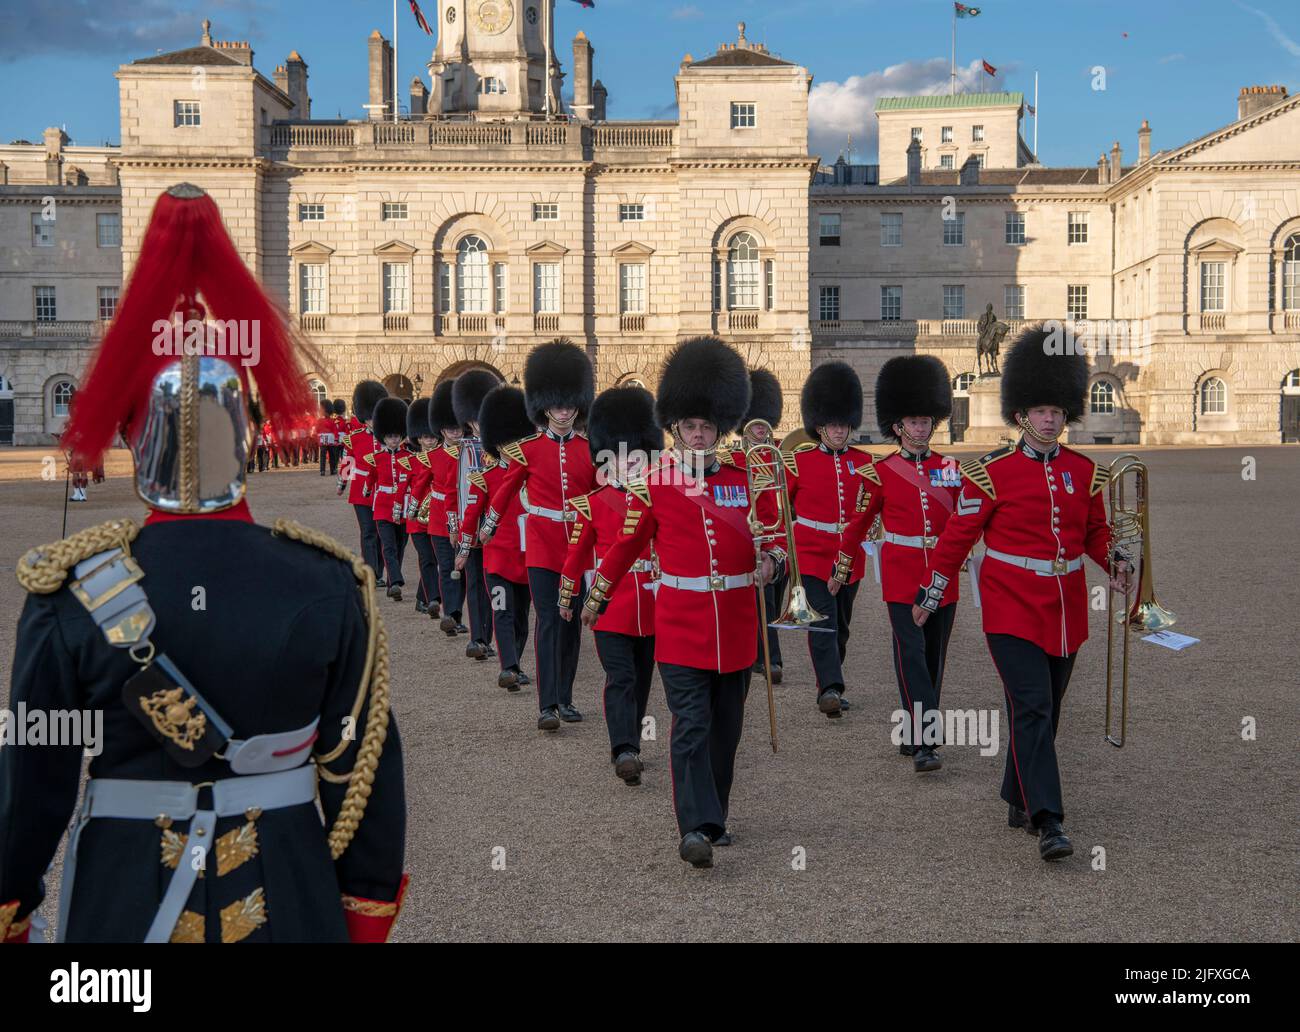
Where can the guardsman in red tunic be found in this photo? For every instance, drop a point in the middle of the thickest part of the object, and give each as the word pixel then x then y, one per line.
pixel 439 509
pixel 693 509
pixel 325 434
pixel 625 442
pixel 503 419
pixel 553 466
pixel 1040 509
pixel 828 483
pixel 388 473
pixel 353 469
pixel 338 427
pixel 915 496
pixel 422 441
pixel 467 395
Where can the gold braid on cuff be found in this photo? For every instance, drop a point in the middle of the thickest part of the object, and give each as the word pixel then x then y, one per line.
pixel 491 520
pixel 566 592
pixel 843 568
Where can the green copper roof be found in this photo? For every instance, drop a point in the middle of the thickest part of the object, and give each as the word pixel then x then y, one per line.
pixel 936 102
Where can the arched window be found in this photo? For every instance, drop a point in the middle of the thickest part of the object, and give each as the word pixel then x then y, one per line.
pixel 743 278
pixel 1214 397
pixel 318 391
pixel 1101 398
pixel 61 398
pixel 1291 272
pixel 1291 383
pixel 961 383
pixel 6 386
pixel 473 276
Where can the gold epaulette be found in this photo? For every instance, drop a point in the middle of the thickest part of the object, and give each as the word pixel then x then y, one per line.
pixel 640 489
pixel 514 451
pixel 422 458
pixel 868 472
pixel 1100 478
pixel 346 439
pixel 43 569
pixel 477 480
pixel 405 462
pixel 369 458
pixel 583 504
pixel 976 470
pixel 726 458
pixel 452 449
pixel 790 463
pixel 806 446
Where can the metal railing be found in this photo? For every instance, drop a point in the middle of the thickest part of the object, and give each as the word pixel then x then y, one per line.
pixel 546 323
pixel 396 322
pixel 632 322
pixel 312 322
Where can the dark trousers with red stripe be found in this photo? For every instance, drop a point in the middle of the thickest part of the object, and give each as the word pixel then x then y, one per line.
pixel 629 663
pixel 828 650
pixel 429 590
pixel 708 711
pixel 1034 684
pixel 392 540
pixel 556 642
pixel 510 604
pixel 919 656
pixel 453 590
pixel 476 598
pixel 369 539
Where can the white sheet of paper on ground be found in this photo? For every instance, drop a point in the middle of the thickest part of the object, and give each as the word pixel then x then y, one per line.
pixel 1170 640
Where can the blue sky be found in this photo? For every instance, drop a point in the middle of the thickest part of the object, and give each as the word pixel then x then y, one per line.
pixel 1179 64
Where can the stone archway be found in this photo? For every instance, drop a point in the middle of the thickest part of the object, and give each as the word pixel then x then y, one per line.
pixel 399 386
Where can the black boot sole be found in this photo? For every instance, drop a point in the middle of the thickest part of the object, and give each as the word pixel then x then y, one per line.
pixel 698 854
pixel 1057 852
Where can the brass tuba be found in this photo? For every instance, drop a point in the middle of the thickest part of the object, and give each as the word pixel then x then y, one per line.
pixel 1130 533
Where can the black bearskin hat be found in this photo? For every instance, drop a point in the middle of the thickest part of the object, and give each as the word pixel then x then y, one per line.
pixel 831 394
pixel 441 413
pixel 390 418
pixel 766 401
pixel 624 416
pixel 703 378
pixel 339 408
pixel 417 421
pixel 468 392
pixel 1034 373
pixel 503 419
pixel 365 396
pixel 557 374
pixel 326 408
pixel 912 385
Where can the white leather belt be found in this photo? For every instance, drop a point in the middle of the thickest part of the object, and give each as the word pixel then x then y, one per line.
pixel 716 582
pixel 1042 567
pixel 826 528
pixel 642 566
pixel 384 489
pixel 912 540
pixel 438 496
pixel 551 514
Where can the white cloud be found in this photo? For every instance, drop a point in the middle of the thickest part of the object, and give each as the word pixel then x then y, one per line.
pixel 1275 30
pixel 689 12
pixel 1173 57
pixel 836 109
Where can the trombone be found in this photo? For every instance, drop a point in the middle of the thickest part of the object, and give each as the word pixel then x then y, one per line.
pixel 765 473
pixel 1130 535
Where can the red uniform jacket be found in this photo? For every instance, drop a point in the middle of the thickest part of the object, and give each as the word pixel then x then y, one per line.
pixel 325 430
pixel 910 500
pixel 358 444
pixel 602 515
pixel 503 555
pixel 695 534
pixel 1046 508
pixel 386 483
pixel 445 462
pixel 553 469
pixel 418 486
pixel 830 489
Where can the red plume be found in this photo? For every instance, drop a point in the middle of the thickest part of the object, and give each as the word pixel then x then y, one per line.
pixel 186 255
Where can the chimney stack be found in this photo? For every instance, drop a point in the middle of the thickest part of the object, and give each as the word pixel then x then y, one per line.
pixel 583 53
pixel 970 172
pixel 1103 171
pixel 419 97
pixel 599 101
pixel 381 77
pixel 914 163
pixel 281 78
pixel 236 48
pixel 1116 166
pixel 296 68
pixel 55 138
pixel 1144 142
pixel 1254 99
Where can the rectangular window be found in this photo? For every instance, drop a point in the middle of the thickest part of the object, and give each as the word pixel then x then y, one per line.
pixel 1078 227
pixel 1015 228
pixel 397 287
pixel 744 115
pixel 979 160
pixel 977 134
pixel 186 112
pixel 107 302
pixel 1212 280
pixel 46 309
pixel 311 289
pixel 499 293
pixel 631 289
pixel 394 211
pixel 916 133
pixel 631 213
pixel 546 287
pixel 42 230
pixel 954 230
pixel 945 134
pixel 954 301
pixel 547 211
pixel 311 213
pixel 829 303
pixel 717 286
pixel 444 287
pixel 1076 301
pixel 769 279
pixel 1013 300
pixel 108 229
pixel 891 229
pixel 891 304
pixel 828 232
pixel 946 161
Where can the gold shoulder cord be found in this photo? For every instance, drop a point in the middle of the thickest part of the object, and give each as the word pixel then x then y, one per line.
pixel 43 570
pixel 374 680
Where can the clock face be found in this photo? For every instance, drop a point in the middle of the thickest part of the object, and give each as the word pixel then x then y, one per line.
pixel 494 16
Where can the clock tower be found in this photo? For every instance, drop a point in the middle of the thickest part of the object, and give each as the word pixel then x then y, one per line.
pixel 491 57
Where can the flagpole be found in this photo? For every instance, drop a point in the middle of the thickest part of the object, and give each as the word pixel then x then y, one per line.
pixel 394 60
pixel 546 75
pixel 1035 116
pixel 952 89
